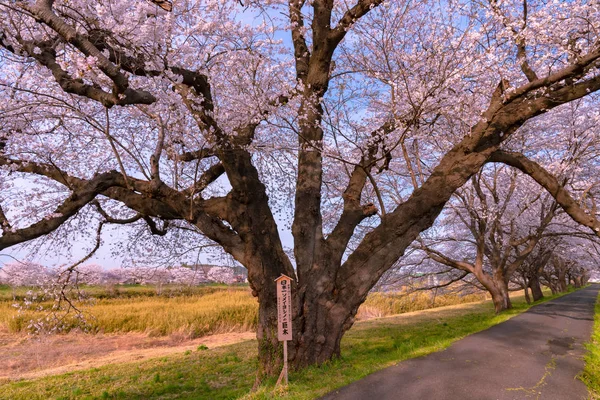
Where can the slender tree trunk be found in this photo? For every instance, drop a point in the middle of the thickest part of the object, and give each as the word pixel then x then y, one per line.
pixel 527 297
pixel 562 282
pixel 536 290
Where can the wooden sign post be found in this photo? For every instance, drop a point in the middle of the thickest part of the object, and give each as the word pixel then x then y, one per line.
pixel 284 319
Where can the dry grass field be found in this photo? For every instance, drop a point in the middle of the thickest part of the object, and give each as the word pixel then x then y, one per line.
pixel 192 313
pixel 189 312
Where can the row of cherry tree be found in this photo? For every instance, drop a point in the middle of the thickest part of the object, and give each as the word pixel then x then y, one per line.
pixel 35 275
pixel 501 232
pixel 350 127
pixel 505 228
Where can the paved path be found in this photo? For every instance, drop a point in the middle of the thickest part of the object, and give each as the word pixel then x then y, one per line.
pixel 536 355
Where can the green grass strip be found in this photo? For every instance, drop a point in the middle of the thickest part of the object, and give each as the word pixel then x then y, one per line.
pixel 591 373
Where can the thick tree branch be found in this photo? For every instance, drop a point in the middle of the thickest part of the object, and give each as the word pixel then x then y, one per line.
pixel 573 71
pixel 354 212
pixel 164 4
pixel 142 203
pixel 137 65
pixel 42 11
pixel 525 67
pixel 154 228
pixel 196 155
pixel 209 176
pixel 520 41
pixel 315 76
pixel 454 279
pixel 48 170
pixel 112 220
pixel 4 223
pixel 301 52
pixel 359 10
pixel 44 53
pixel 551 184
pixel 443 259
pixel 82 195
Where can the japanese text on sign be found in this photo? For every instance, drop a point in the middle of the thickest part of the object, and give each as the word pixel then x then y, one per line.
pixel 284 308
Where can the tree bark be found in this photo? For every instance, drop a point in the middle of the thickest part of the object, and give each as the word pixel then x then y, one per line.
pixel 562 281
pixel 322 325
pixel 527 297
pixel 502 303
pixel 536 290
pixel 498 288
pixel 500 299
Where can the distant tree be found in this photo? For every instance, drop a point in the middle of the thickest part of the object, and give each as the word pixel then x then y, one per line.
pixel 25 274
pixel 531 270
pixel 221 275
pixel 91 274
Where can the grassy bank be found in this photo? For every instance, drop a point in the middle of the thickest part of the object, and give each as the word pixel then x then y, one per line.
pixel 591 373
pixel 188 311
pixel 229 372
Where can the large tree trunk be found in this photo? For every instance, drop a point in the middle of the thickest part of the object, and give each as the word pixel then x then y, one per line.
pixel 321 326
pixel 270 352
pixel 501 298
pixel 324 313
pixel 536 290
pixel 320 321
pixel 497 286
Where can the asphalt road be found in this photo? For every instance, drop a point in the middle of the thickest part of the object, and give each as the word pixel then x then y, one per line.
pixel 536 355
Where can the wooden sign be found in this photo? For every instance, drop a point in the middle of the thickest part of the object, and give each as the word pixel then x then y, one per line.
pixel 284 308
pixel 284 320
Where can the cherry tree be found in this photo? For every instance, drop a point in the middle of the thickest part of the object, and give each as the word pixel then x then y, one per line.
pixel 189 275
pixel 530 272
pixel 495 224
pixel 90 274
pixel 206 119
pixel 570 248
pixel 25 274
pixel 570 263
